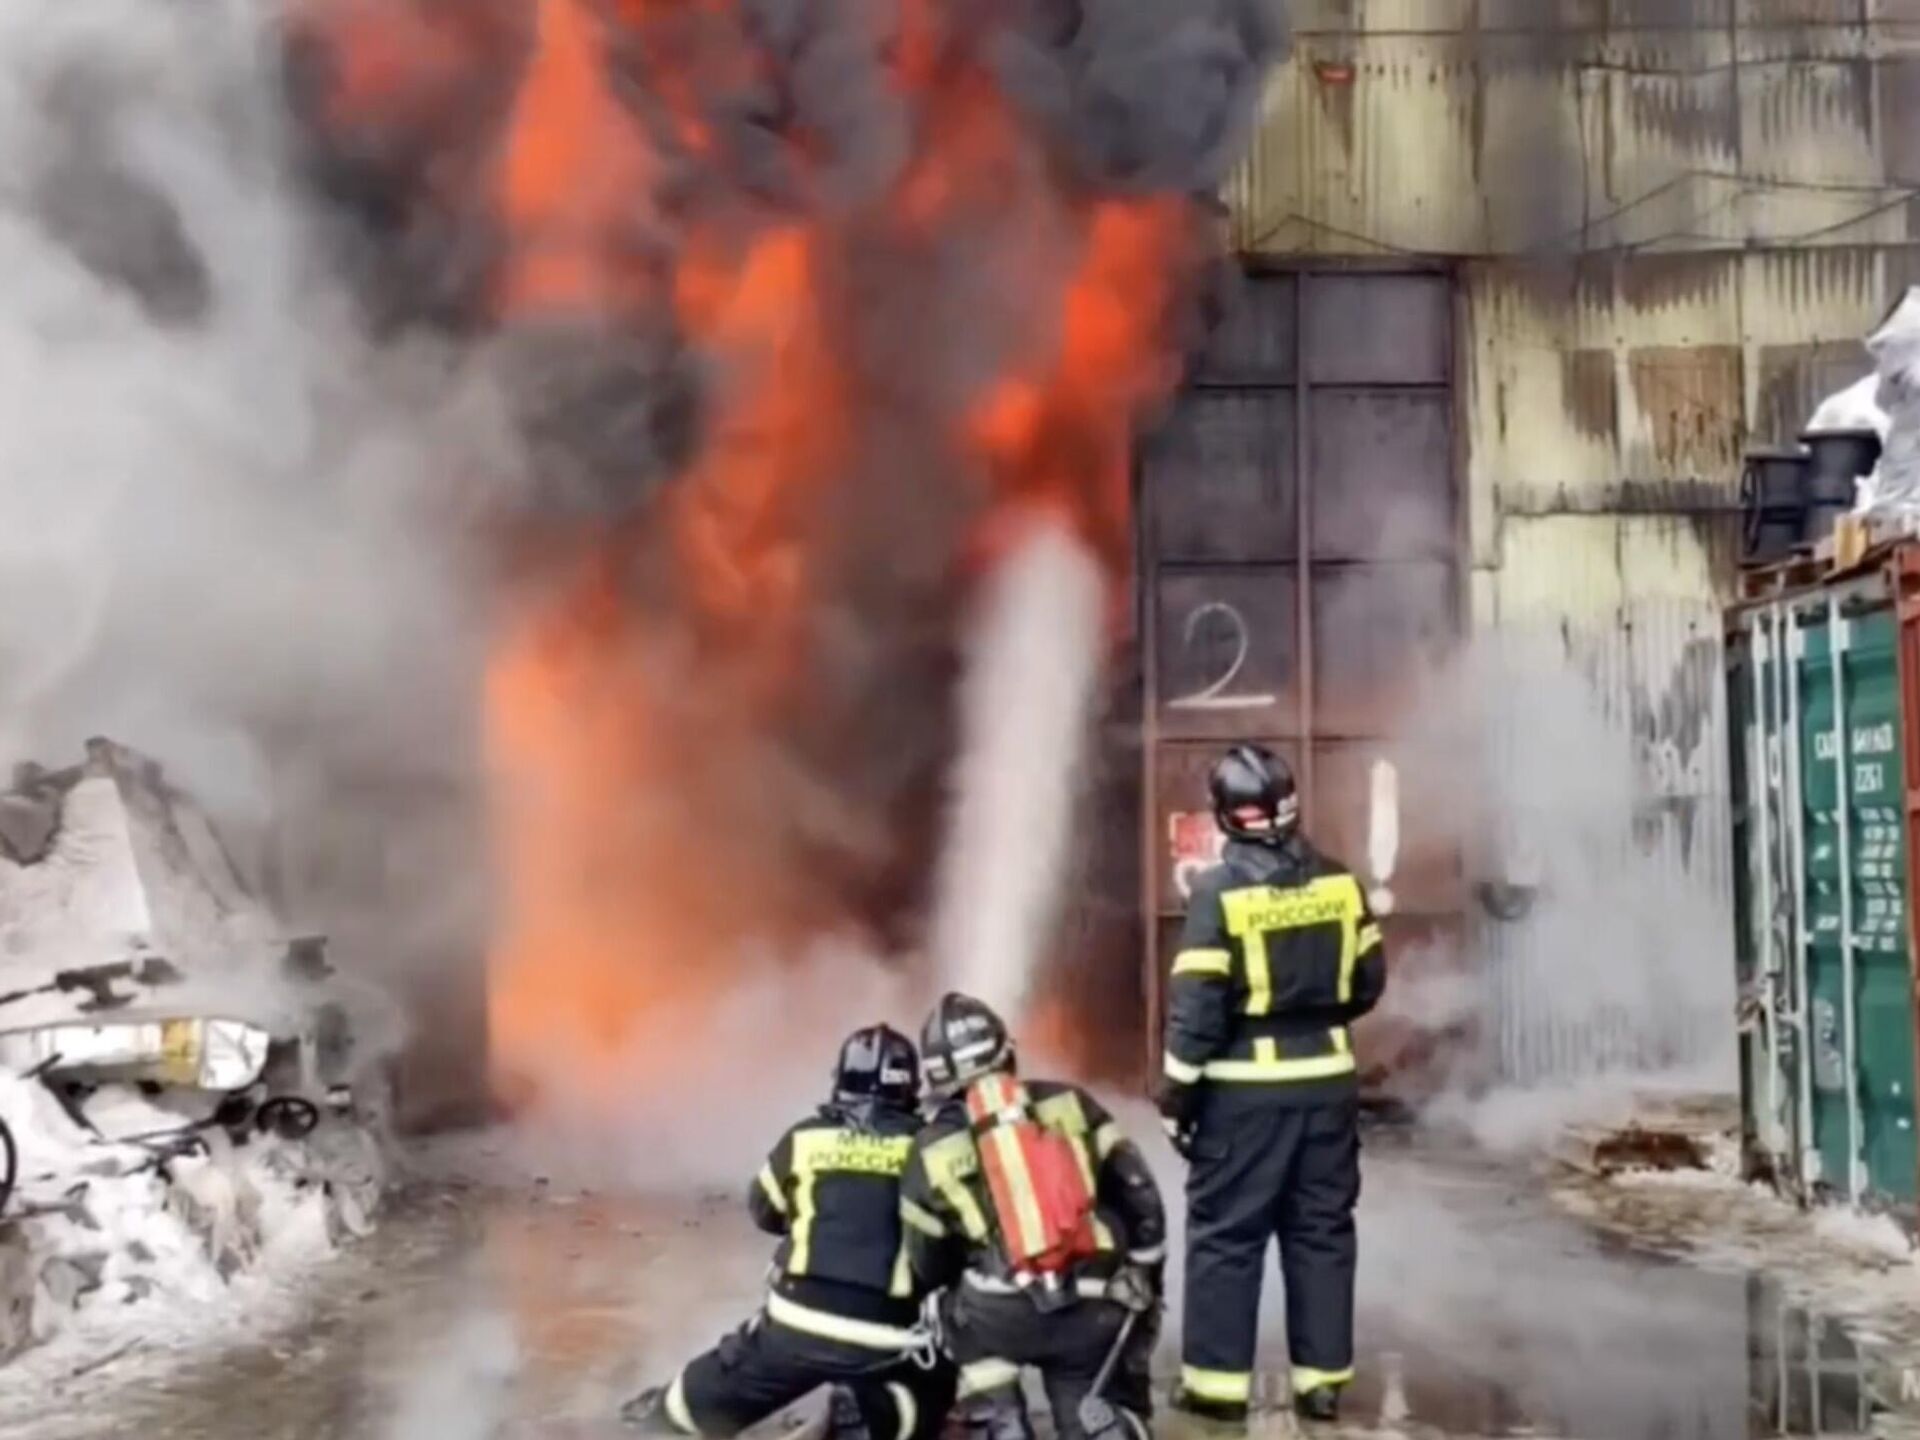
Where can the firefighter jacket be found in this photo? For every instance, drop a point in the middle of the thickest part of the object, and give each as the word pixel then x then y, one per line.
pixel 831 1191
pixel 948 1210
pixel 1279 955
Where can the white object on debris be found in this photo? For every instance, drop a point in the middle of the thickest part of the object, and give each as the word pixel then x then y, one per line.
pixel 204 1054
pixel 1893 491
pixel 1855 408
pixel 1383 833
pixel 124 869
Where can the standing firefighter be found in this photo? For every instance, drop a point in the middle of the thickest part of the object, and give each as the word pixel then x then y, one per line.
pixel 1043 1220
pixel 842 1309
pixel 1279 955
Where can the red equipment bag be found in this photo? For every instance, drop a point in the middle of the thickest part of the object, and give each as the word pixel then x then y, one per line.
pixel 1042 1196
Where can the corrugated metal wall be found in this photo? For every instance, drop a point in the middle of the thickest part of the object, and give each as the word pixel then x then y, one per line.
pixel 1672 222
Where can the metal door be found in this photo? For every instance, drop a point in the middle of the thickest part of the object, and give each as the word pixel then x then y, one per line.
pixel 1316 441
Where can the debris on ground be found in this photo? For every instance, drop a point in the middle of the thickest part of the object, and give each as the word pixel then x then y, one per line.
pixel 177 1073
pixel 1856 1267
pixel 1639 1148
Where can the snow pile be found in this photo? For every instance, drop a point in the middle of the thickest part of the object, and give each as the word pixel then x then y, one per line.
pixel 105 863
pixel 101 1228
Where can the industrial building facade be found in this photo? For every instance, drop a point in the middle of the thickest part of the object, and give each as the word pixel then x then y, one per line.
pixel 1524 281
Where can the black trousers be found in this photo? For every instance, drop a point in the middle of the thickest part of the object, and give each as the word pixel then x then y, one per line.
pixel 764 1366
pixel 992 1337
pixel 1269 1167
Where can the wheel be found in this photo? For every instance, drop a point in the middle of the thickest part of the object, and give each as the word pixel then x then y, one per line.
pixel 288 1116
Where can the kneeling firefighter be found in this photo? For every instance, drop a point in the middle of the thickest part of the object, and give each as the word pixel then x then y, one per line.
pixel 1043 1226
pixel 1279 955
pixel 842 1308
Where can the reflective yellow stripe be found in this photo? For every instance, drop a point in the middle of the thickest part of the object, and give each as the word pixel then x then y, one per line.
pixel 904 1406
pixel 1026 1216
pixel 1256 912
pixel 834 1151
pixel 949 1161
pixel 1231 1387
pixel 901 1285
pixel 1179 1071
pixel 868 1334
pixel 677 1410
pixel 1349 952
pixel 800 1253
pixel 1341 1046
pixel 1369 937
pixel 1106 1138
pixel 1259 973
pixel 925 1221
pixel 1306 1378
pixel 1318 1067
pixel 770 1187
pixel 1064 1115
pixel 1203 962
pixel 984 1375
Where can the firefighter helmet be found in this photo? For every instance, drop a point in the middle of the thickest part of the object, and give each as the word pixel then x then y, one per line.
pixel 877 1066
pixel 1253 795
pixel 962 1040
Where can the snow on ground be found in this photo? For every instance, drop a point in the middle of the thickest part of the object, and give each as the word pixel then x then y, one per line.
pixel 113 1244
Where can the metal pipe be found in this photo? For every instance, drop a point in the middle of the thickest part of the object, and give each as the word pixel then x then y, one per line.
pixel 1843 822
pixel 1760 652
pixel 1794 808
pixel 1146 570
pixel 1303 593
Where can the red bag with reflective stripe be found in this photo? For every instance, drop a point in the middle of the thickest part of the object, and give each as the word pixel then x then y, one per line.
pixel 1042 1197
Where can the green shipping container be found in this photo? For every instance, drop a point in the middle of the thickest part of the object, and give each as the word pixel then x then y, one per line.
pixel 1824 741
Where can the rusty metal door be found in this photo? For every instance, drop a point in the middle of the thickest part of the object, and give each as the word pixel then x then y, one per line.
pixel 1315 440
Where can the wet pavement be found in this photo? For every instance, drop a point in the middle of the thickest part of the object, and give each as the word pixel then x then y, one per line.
pixel 524 1312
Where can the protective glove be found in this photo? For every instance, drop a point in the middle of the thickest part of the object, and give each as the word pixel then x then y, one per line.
pixel 1136 1286
pixel 1181 1132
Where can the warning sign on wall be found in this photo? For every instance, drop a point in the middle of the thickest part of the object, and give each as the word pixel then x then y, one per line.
pixel 1193 843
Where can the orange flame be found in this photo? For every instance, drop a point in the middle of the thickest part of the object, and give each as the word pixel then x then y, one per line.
pixel 614 716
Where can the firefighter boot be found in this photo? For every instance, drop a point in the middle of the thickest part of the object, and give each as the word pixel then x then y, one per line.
pixel 1320 1404
pixel 844 1420
pixel 646 1413
pixel 1216 1412
pixel 995 1415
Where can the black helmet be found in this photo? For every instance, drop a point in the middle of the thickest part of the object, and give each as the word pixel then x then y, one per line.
pixel 962 1040
pixel 877 1065
pixel 1251 778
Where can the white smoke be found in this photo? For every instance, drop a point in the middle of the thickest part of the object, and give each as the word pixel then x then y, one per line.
pixel 231 524
pixel 1026 706
pixel 461 1388
pixel 1598 961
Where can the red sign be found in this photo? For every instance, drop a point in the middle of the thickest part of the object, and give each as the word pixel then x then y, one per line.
pixel 1193 844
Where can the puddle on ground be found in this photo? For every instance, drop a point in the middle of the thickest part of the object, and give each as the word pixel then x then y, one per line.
pixel 1761 1367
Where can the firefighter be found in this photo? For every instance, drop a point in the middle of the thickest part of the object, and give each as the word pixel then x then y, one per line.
pixel 1001 1162
pixel 842 1309
pixel 1279 955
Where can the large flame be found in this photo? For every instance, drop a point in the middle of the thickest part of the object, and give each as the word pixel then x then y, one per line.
pixel 633 727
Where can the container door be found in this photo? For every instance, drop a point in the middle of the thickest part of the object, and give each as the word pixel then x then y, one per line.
pixel 1761 877
pixel 1859 982
pixel 1877 849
